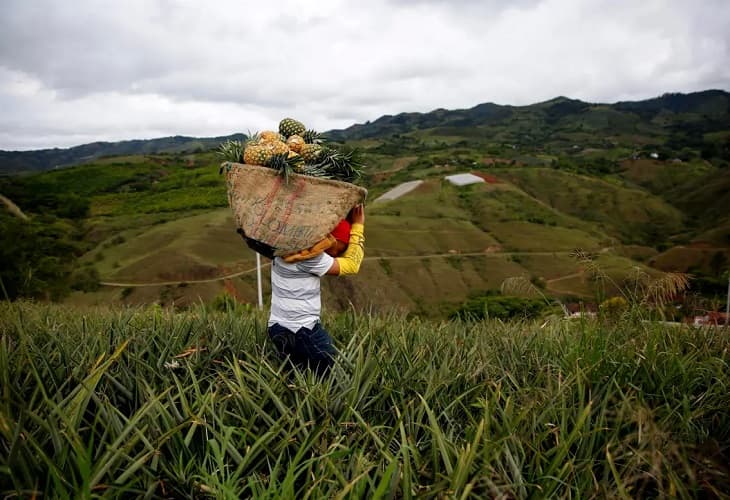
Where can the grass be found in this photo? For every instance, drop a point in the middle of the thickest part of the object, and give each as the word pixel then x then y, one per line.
pixel 177 246
pixel 528 236
pixel 146 403
pixel 631 214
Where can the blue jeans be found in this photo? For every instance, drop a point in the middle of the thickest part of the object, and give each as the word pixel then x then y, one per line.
pixel 305 348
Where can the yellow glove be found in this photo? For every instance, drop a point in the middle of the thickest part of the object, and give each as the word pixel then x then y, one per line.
pixel 352 258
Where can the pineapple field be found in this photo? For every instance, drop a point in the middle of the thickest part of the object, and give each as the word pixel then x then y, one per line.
pixel 149 403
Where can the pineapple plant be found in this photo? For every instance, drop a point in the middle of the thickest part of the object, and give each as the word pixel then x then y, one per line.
pixel 290 126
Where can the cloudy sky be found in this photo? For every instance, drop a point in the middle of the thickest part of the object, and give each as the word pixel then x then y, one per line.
pixel 73 72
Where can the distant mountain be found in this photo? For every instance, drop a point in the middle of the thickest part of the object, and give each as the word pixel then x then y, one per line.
pixel 707 111
pixel 14 162
pixel 675 119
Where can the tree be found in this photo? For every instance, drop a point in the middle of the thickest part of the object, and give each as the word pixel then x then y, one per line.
pixel 718 263
pixel 37 257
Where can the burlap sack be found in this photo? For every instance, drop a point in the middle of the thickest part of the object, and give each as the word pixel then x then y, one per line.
pixel 288 216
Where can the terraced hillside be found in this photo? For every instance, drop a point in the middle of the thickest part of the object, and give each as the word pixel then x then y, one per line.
pixel 427 251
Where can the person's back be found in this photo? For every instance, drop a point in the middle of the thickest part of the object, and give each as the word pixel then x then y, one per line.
pixel 295 291
pixel 294 322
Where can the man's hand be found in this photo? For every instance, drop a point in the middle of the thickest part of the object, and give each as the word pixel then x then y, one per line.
pixel 357 215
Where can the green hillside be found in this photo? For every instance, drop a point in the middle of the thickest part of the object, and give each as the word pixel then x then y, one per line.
pixel 631 215
pixel 18 162
pixel 629 183
pixel 427 251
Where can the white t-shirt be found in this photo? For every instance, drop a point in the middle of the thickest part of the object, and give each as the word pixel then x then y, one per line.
pixel 295 293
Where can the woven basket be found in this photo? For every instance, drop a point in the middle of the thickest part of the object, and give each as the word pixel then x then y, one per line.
pixel 287 216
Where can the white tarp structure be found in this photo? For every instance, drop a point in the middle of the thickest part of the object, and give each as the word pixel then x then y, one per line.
pixel 463 179
pixel 399 191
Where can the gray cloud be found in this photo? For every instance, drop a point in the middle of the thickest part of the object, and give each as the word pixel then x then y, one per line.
pixel 147 68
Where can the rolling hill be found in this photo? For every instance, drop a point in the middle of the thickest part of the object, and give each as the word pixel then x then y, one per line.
pixel 19 162
pixel 699 120
pixel 631 183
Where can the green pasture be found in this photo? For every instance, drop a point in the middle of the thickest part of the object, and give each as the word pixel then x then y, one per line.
pixel 662 177
pixel 631 214
pixel 178 246
pixel 528 236
pixel 389 235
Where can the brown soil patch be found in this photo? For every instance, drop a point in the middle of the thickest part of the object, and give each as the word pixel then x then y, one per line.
pixel 488 178
pixel 490 161
pixel 193 272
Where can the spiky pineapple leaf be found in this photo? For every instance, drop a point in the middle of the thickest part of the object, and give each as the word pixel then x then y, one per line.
pixel 315 171
pixel 252 139
pixel 285 165
pixel 344 164
pixel 231 150
pixel 313 137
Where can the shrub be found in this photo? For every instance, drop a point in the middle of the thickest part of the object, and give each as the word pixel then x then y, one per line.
pixel 85 280
pixel 497 306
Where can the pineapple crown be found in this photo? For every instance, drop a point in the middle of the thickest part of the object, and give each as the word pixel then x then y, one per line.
pixel 312 137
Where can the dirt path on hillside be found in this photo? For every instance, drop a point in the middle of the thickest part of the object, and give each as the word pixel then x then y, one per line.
pixel 549 282
pixel 376 257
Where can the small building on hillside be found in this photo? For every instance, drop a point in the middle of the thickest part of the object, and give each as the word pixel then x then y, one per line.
pixel 399 191
pixel 712 318
pixel 580 310
pixel 463 179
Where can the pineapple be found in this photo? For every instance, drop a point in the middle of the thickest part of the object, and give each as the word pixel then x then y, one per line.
pixel 295 149
pixel 310 152
pixel 277 147
pixel 270 135
pixel 290 126
pixel 257 154
pixel 295 142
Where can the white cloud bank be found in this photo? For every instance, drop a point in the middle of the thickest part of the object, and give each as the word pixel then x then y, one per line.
pixel 75 72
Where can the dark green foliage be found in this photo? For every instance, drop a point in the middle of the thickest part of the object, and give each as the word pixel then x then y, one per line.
pixel 709 102
pixel 35 195
pixel 37 256
pixel 85 279
pixel 497 306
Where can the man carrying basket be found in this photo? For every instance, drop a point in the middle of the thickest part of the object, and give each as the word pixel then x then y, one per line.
pixel 294 324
